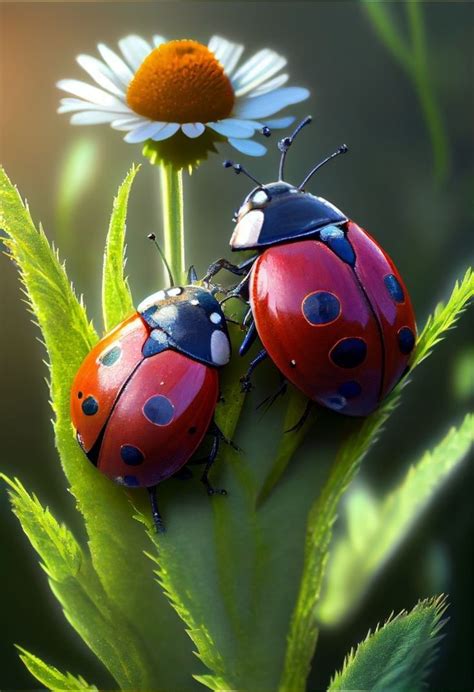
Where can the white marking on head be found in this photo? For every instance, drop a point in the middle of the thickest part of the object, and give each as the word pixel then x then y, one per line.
pixel 194 301
pixel 169 312
pixel 176 291
pixel 220 348
pixel 215 317
pixel 152 300
pixel 248 229
pixel 260 198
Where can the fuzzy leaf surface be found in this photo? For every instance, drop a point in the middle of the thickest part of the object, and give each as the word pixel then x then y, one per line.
pixel 117 300
pixel 116 541
pixel 376 529
pixel 397 656
pixel 51 677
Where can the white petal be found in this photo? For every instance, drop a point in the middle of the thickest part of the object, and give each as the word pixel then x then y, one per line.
pixel 231 127
pixel 158 40
pixel 69 105
pixel 116 64
pixel 167 131
pixel 134 49
pixel 248 146
pixel 127 124
pixel 268 104
pixel 226 52
pixel 280 123
pixel 144 132
pixel 101 74
pixel 272 84
pixel 92 118
pixel 258 69
pixel 193 130
pixel 89 93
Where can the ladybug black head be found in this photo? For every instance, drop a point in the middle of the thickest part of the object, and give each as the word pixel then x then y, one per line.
pixel 280 212
pixel 187 319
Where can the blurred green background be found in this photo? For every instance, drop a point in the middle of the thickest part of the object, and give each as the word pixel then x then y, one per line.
pixel 423 217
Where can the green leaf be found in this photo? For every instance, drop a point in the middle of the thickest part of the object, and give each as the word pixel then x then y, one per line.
pixel 375 529
pixel 303 631
pixel 444 317
pixel 61 553
pixel 289 443
pixel 116 541
pixel 412 55
pixel 51 677
pixel 397 656
pixel 117 300
pixel 75 585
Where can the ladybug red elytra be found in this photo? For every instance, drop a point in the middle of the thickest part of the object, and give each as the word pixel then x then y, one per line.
pixel 327 302
pixel 144 397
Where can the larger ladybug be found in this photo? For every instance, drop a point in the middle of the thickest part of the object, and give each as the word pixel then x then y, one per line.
pixel 327 302
pixel 144 397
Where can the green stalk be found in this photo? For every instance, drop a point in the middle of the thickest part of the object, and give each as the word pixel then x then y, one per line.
pixel 173 226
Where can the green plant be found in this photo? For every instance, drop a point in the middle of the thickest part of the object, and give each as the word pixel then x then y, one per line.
pixel 243 575
pixel 411 53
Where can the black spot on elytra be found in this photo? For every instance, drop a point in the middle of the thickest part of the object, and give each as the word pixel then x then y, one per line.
pixel 321 307
pixel 159 410
pixel 349 352
pixel 394 288
pixel 90 406
pixel 131 455
pixel 406 340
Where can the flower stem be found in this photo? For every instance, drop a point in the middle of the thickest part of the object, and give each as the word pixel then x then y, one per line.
pixel 173 227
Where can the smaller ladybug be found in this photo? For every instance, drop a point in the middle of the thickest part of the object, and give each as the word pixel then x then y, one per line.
pixel 328 304
pixel 144 398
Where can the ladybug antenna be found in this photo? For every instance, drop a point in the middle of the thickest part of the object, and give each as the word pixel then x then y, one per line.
pixel 285 143
pixel 342 150
pixel 152 237
pixel 238 168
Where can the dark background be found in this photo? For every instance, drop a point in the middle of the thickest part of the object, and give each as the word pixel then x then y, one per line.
pixel 361 96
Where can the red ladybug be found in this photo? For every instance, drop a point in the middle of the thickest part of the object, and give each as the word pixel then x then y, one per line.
pixel 327 302
pixel 144 397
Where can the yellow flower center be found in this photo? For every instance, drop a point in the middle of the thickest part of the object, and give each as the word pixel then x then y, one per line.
pixel 181 82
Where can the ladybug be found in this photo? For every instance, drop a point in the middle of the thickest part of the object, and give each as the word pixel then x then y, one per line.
pixel 326 301
pixel 144 397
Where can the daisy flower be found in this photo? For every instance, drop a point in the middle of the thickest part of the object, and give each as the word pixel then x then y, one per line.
pixel 153 91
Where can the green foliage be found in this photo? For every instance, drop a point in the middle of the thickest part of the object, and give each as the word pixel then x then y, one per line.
pixel 445 317
pixel 61 553
pixel 304 625
pixel 232 568
pixel 412 56
pixel 116 297
pixel 51 677
pixel 375 529
pixel 122 579
pixel 397 656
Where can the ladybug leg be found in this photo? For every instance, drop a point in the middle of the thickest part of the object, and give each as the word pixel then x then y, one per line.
pixel 157 520
pixel 267 403
pixel 303 419
pixel 249 339
pixel 209 462
pixel 245 382
pixel 238 269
